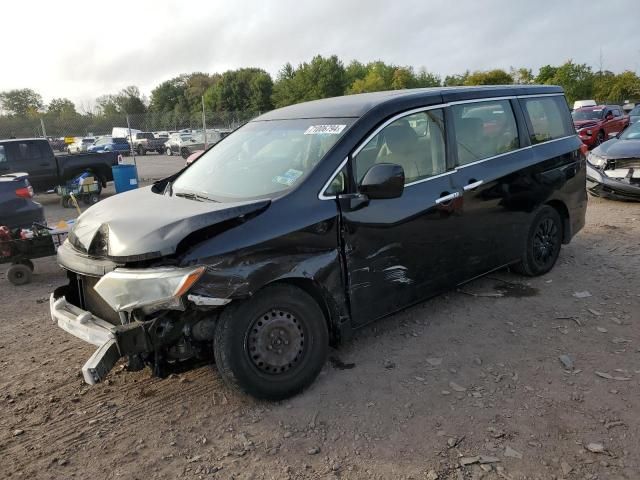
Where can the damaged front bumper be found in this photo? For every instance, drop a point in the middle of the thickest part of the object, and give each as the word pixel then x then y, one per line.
pixel 619 188
pixel 91 329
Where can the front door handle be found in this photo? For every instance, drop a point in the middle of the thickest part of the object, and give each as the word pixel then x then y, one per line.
pixel 447 198
pixel 473 185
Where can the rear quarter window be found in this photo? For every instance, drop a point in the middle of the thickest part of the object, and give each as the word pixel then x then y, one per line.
pixel 548 118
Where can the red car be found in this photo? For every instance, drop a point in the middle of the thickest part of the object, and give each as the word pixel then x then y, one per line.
pixel 596 124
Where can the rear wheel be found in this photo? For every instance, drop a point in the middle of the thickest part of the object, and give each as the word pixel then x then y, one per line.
pixel 273 345
pixel 543 243
pixel 141 150
pixel 184 152
pixel 19 274
pixel 169 152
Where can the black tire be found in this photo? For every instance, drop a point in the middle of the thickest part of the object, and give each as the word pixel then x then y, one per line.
pixel 141 151
pixel 65 202
pixel 543 243
pixel 19 274
pixel 28 263
pixel 273 345
pixel 184 152
pixel 600 138
pixel 169 151
pixel 91 199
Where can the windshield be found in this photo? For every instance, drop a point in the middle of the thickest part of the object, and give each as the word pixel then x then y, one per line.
pixel 262 159
pixel 635 112
pixel 580 114
pixel 632 132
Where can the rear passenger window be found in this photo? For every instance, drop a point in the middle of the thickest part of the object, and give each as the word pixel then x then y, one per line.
pixel 548 117
pixel 484 129
pixel 29 150
pixel 415 142
pixel 3 155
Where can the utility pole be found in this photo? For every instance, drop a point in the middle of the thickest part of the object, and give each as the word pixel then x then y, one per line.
pixel 44 131
pixel 204 124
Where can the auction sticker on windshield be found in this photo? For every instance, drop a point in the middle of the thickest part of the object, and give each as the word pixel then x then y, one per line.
pixel 289 177
pixel 320 129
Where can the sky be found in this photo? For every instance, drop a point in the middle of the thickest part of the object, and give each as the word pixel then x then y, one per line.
pixel 83 49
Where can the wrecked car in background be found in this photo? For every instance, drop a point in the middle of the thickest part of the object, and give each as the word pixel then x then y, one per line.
pixel 316 219
pixel 613 168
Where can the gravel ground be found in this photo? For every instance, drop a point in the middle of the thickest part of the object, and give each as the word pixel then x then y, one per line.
pixel 468 385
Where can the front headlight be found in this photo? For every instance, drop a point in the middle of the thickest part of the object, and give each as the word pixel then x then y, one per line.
pixel 150 289
pixel 596 160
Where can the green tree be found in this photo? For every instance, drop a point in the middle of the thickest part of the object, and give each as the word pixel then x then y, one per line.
pixel 107 105
pixel 426 79
pixel 320 78
pixel 491 77
pixel 61 107
pixel 456 80
pixel 242 89
pixel 522 76
pixel 355 71
pixel 166 96
pixel 546 73
pixel 625 86
pixel 576 79
pixel 21 101
pixel 129 100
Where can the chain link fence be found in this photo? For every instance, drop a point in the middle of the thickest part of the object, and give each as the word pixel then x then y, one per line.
pixel 47 125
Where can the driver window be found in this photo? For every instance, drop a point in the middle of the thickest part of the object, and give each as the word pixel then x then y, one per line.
pixel 415 142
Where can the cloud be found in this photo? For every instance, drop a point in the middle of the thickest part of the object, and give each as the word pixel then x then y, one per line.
pixel 82 51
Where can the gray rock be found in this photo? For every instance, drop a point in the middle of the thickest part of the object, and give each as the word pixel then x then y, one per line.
pixel 17 432
pixel 313 451
pixel 457 388
pixel 595 447
pixel 510 452
pixel 566 361
pixel 434 362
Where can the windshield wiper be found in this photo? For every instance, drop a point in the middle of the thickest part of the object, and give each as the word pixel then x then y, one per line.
pixel 195 196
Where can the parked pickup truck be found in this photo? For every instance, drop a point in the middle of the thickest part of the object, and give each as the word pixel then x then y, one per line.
pixel 597 124
pixel 46 170
pixel 144 142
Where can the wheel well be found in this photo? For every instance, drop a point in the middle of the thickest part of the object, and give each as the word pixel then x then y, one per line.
pixel 563 211
pixel 314 290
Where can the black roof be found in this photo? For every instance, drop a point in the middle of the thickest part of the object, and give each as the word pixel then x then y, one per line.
pixel 355 106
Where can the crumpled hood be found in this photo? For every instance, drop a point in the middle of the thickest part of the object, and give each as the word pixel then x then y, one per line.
pixel 616 148
pixel 141 224
pixel 584 124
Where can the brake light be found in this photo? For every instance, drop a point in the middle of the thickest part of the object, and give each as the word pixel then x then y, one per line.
pixel 25 192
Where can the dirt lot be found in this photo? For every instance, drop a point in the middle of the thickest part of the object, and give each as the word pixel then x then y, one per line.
pixel 467 377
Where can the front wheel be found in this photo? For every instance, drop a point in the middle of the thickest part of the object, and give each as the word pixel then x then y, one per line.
pixel 543 243
pixel 600 138
pixel 273 345
pixel 185 153
pixel 169 152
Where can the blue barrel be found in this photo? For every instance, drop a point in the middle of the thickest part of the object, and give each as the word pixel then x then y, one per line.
pixel 125 177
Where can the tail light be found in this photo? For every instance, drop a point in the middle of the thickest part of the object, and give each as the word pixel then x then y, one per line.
pixel 25 192
pixel 584 149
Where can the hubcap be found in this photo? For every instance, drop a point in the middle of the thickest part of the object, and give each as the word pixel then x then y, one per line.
pixel 276 341
pixel 545 241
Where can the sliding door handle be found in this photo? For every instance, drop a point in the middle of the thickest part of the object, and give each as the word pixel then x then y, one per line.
pixel 473 185
pixel 447 198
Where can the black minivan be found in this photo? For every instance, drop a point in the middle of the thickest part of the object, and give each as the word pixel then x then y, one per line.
pixel 316 219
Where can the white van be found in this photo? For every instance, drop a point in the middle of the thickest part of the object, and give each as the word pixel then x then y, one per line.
pixel 123 132
pixel 584 103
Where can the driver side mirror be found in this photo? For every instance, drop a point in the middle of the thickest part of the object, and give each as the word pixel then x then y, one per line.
pixel 383 180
